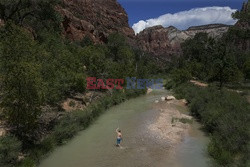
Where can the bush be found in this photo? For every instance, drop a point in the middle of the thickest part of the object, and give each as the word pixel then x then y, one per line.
pixel 48 144
pixel 107 102
pixel 221 155
pixel 118 98
pixel 66 129
pixel 170 84
pixel 84 118
pixel 10 147
pixel 225 115
pixel 27 162
pixel 181 76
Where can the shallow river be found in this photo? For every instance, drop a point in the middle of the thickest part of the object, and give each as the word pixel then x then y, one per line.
pixel 95 146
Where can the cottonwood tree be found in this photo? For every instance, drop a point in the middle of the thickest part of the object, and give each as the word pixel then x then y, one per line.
pixel 36 14
pixel 225 66
pixel 21 84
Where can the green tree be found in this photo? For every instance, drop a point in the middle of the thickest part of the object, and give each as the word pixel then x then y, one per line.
pixel 115 42
pixel 86 41
pixel 10 148
pixel 95 61
pixel 212 60
pixel 197 55
pixel 62 67
pixel 243 15
pixel 180 76
pixel 246 68
pixel 225 66
pixel 38 14
pixel 21 83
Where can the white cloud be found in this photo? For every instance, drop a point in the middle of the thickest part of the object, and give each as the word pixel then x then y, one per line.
pixel 194 17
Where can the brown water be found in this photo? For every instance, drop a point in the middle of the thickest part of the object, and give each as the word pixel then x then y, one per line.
pixel 95 147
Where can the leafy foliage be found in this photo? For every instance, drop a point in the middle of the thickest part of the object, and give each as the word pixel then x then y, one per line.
pixel 9 150
pixel 214 61
pixel 62 68
pixel 38 14
pixel 21 80
pixel 225 115
pixel 243 15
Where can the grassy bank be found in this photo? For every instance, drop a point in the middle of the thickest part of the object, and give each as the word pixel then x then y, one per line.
pixel 64 130
pixel 226 118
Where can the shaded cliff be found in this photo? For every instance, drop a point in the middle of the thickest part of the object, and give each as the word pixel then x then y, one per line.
pixel 93 18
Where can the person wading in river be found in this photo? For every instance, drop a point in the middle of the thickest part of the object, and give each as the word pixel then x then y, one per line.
pixel 119 137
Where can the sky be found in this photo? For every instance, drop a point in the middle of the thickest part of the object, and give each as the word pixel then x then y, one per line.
pixel 179 13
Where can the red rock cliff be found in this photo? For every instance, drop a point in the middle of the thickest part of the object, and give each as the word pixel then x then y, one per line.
pixel 162 41
pixel 94 18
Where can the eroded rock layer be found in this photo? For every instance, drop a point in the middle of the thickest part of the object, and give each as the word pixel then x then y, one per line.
pixel 167 41
pixel 94 18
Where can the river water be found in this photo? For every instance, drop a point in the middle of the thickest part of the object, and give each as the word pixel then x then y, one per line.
pixel 95 146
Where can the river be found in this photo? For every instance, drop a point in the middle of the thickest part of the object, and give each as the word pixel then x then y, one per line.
pixel 95 146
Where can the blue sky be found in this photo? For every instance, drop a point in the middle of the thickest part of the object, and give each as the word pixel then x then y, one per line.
pixel 148 9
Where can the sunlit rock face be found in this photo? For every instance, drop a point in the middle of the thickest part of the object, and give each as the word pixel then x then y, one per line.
pixel 97 19
pixel 167 41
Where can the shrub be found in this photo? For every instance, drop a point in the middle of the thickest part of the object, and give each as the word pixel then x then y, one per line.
pixel 39 150
pixel 66 129
pixel 106 102
pixel 181 76
pixel 170 84
pixel 27 162
pixel 84 118
pixel 48 144
pixel 186 121
pixel 225 115
pixel 221 155
pixel 96 110
pixel 10 147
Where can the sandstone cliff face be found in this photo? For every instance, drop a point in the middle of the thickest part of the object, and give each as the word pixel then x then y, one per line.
pixel 162 41
pixel 93 18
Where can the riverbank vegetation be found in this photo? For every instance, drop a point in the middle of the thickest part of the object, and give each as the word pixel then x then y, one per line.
pixel 222 109
pixel 225 116
pixel 40 68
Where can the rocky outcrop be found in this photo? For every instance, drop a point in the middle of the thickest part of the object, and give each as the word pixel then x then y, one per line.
pixel 244 26
pixel 95 19
pixel 162 41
